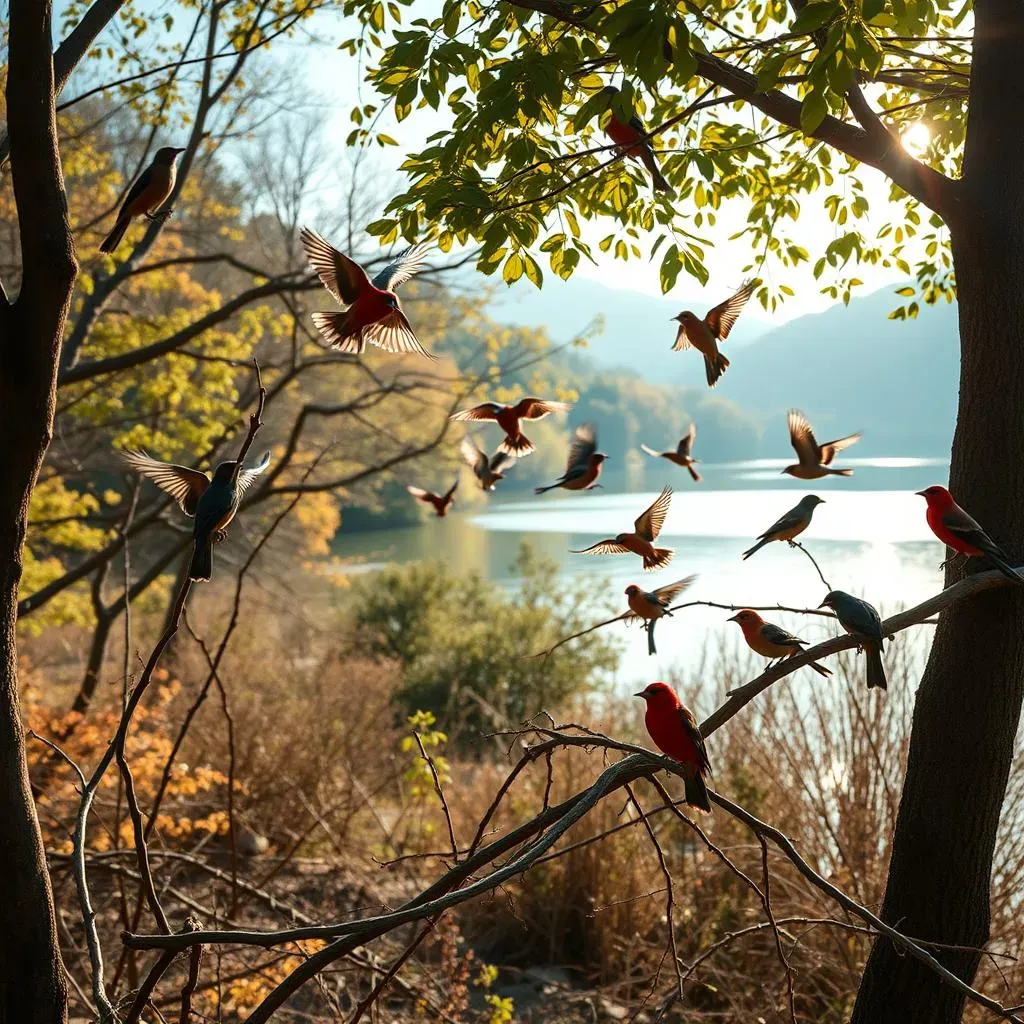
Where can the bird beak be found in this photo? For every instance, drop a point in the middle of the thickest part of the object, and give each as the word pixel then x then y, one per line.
pixel 733 618
pixel 825 604
pixel 640 694
pixel 920 493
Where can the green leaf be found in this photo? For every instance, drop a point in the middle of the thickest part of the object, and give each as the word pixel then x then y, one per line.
pixel 872 8
pixel 815 16
pixel 513 269
pixel 812 111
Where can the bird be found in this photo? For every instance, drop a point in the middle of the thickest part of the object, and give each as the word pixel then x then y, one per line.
pixel 507 417
pixel 704 335
pixel 653 605
pixel 815 460
pixel 641 541
pixel 488 471
pixel 789 526
pixel 213 503
pixel 374 313
pixel 148 193
pixel 771 641
pixel 681 456
pixel 583 465
pixel 957 530
pixel 861 620
pixel 675 732
pixel 438 502
pixel 632 140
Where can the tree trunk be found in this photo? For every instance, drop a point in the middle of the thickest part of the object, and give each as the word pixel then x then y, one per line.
pixel 969 701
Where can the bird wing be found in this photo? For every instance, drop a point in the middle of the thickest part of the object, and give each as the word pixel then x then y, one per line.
pixel 538 408
pixel 723 317
pixel 829 449
pixel 139 186
pixel 451 490
pixel 682 339
pixel 473 456
pixel 861 616
pixel 582 446
pixel 603 547
pixel 777 635
pixel 418 492
pixel 686 442
pixel 801 437
pixel 485 411
pixel 183 484
pixel 501 459
pixel 394 333
pixel 964 526
pixel 786 521
pixel 668 593
pixel 399 270
pixel 650 451
pixel 248 476
pixel 649 523
pixel 341 276
pixel 692 729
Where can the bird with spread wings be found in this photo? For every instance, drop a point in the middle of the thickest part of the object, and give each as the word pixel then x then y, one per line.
pixel 640 542
pixel 814 460
pixel 683 453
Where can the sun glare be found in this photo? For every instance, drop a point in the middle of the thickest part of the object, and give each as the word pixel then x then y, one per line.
pixel 916 138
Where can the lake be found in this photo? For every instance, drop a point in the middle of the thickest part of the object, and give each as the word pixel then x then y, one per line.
pixel 870 538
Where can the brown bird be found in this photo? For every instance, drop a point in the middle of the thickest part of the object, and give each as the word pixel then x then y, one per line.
pixel 488 471
pixel 508 416
pixel 438 502
pixel 651 605
pixel 583 465
pixel 641 541
pixel 771 641
pixel 147 195
pixel 681 456
pixel 814 459
pixel 704 335
pixel 789 526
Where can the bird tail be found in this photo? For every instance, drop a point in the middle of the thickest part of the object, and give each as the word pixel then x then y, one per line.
pixel 542 490
pixel 662 556
pixel 202 560
pixel 841 472
pixel 697 792
pixel 113 240
pixel 694 474
pixel 876 670
pixel 714 367
pixel 1002 563
pixel 651 649
pixel 757 547
pixel 650 161
pixel 334 329
pixel 517 446
pixel 650 451
pixel 820 669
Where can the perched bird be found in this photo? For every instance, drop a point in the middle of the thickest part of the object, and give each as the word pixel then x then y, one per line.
pixel 957 530
pixel 488 471
pixel 704 335
pixel 861 620
pixel 675 732
pixel 507 417
pixel 771 641
pixel 815 459
pixel 791 525
pixel 583 466
pixel 438 502
pixel 681 456
pixel 374 313
pixel 632 141
pixel 147 194
pixel 651 605
pixel 213 503
pixel 641 541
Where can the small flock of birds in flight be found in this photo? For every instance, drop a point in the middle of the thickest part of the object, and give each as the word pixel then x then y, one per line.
pixel 373 315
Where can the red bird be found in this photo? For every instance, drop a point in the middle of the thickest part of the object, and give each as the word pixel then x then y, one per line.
pixel 374 313
pixel 675 732
pixel 508 417
pixel 957 530
pixel 439 502
pixel 632 140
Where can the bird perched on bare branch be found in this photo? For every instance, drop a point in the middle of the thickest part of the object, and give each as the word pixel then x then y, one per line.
pixel 653 605
pixel 583 465
pixel 148 193
pixel 632 141
pixel 374 313
pixel 488 471
pixel 815 460
pixel 213 503
pixel 788 526
pixel 771 641
pixel 682 456
pixel 641 541
pixel 508 416
pixel 704 335
pixel 438 502
pixel 862 621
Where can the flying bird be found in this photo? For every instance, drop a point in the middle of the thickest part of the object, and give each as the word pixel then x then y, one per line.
pixel 374 313
pixel 488 471
pixel 675 732
pixel 632 141
pixel 641 541
pixel 959 531
pixel 704 335
pixel 583 466
pixel 438 502
pixel 507 417
pixel 861 620
pixel 815 460
pixel 789 526
pixel 653 605
pixel 681 456
pixel 213 503
pixel 771 641
pixel 147 194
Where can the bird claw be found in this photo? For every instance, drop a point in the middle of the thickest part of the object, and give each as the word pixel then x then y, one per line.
pixel 159 216
pixel 219 536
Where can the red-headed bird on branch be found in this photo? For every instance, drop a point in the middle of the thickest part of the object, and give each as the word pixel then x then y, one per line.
pixel 632 141
pixel 682 456
pixel 508 416
pixel 771 641
pixel 675 732
pixel 374 313
pixel 704 335
pixel 957 530
pixel 147 194
pixel 438 502
pixel 641 541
